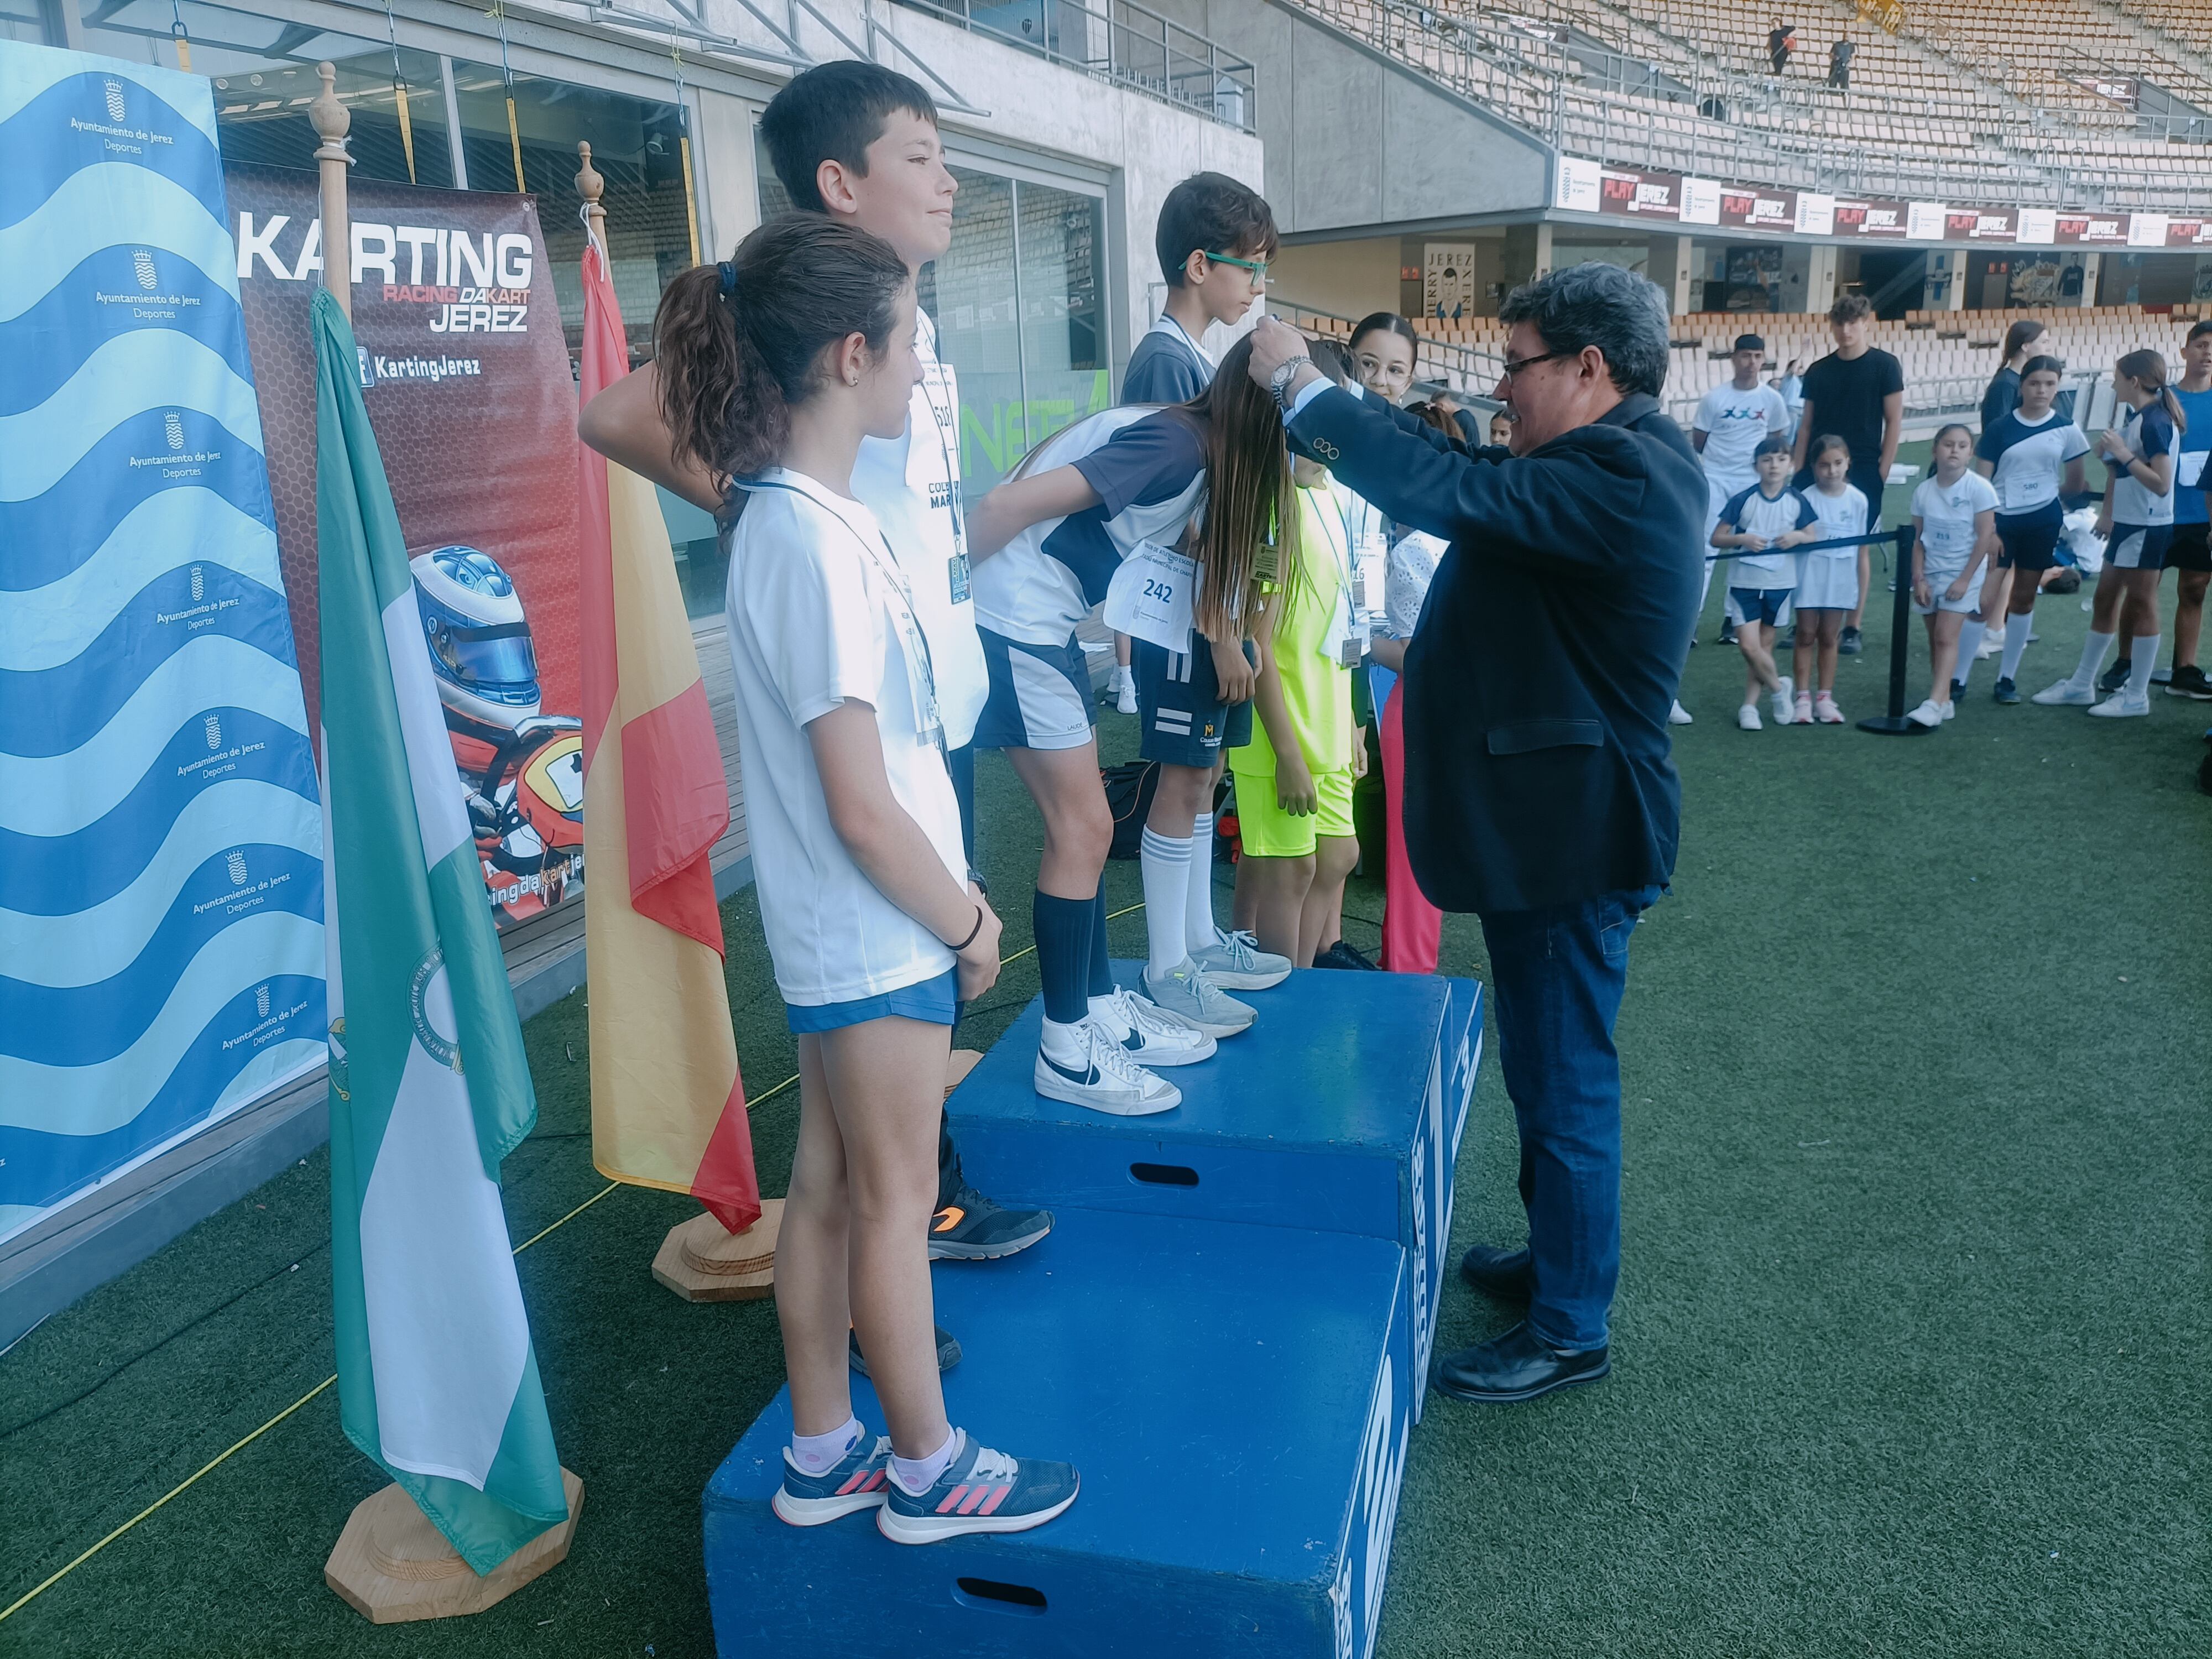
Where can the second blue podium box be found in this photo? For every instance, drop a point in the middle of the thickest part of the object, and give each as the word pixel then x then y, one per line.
pixel 1340 1112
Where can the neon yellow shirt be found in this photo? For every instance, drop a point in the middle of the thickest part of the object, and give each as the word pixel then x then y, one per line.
pixel 1317 687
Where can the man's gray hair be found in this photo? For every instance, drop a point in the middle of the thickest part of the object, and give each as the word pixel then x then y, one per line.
pixel 1622 314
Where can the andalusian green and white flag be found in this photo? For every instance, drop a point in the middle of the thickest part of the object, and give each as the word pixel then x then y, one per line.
pixel 428 1090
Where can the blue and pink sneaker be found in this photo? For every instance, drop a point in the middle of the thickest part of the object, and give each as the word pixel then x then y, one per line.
pixel 981 1491
pixel 859 1480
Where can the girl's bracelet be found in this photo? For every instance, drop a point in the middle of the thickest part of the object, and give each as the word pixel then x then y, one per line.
pixel 972 931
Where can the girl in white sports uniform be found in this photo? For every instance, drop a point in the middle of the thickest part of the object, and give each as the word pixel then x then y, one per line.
pixel 2137 519
pixel 1954 524
pixel 1161 488
pixel 1827 579
pixel 875 930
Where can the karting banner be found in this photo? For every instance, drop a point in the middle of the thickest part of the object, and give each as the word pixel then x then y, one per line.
pixel 161 842
pixel 464 371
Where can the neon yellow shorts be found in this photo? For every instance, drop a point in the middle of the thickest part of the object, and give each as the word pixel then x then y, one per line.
pixel 1269 832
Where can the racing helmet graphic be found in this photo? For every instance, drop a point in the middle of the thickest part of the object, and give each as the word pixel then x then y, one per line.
pixel 479 640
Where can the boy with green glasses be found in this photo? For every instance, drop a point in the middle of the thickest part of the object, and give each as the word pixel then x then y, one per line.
pixel 1214 239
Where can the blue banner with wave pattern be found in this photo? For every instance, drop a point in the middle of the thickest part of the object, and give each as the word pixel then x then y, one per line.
pixel 161 845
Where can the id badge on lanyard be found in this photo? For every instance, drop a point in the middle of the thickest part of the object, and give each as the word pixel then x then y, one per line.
pixel 933 464
pixel 1345 647
pixel 922 686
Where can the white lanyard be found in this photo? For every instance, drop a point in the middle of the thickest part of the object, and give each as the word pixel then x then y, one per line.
pixel 1183 334
pixel 924 693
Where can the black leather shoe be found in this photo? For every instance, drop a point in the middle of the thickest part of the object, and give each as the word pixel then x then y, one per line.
pixel 1504 1275
pixel 948 1351
pixel 1517 1366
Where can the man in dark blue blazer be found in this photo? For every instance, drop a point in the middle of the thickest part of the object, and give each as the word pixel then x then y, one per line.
pixel 1540 791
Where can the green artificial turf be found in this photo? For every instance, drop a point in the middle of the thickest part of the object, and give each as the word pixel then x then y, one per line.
pixel 1912 1331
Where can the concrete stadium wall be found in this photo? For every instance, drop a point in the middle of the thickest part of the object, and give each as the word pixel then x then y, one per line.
pixel 1356 141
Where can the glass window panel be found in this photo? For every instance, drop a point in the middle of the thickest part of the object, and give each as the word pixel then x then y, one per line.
pixel 21 20
pixel 636 146
pixel 969 293
pixel 1062 247
pixel 263 75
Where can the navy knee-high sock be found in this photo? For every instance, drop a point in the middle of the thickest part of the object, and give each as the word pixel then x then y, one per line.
pixel 1101 971
pixel 1062 926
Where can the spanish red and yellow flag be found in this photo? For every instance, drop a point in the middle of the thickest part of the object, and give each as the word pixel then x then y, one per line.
pixel 668 1108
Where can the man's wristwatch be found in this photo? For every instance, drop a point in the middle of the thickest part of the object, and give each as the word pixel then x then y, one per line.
pixel 1279 382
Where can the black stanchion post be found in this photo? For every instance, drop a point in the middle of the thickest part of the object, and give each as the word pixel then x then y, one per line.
pixel 1893 724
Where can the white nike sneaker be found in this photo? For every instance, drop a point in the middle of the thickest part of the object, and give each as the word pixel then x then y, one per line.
pixel 2117 707
pixel 1679 715
pixel 1100 1076
pixel 2066 694
pixel 1148 1033
pixel 1190 993
pixel 1929 713
pixel 1236 963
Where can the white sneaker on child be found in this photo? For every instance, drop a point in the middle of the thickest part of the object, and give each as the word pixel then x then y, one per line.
pixel 1093 1070
pixel 2117 707
pixel 2066 694
pixel 1929 713
pixel 1746 717
pixel 1826 712
pixel 1679 715
pixel 1785 699
pixel 1125 691
pixel 1804 714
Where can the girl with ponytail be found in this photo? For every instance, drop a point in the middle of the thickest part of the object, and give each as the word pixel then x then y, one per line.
pixel 1195 497
pixel 772 370
pixel 2137 522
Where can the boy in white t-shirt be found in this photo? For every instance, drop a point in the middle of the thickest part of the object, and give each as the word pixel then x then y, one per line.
pixel 1731 423
pixel 1955 522
pixel 1764 521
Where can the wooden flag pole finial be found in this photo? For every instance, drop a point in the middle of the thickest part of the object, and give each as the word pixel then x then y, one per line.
pixel 332 121
pixel 592 187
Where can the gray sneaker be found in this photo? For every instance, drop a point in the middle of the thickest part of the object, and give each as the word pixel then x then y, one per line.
pixel 1236 962
pixel 1191 996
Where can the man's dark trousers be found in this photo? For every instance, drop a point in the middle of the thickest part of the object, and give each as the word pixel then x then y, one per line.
pixel 1557 977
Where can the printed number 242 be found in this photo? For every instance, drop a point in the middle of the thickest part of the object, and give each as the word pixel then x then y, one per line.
pixel 1163 591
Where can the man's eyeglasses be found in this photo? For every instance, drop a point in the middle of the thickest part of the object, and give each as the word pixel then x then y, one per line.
pixel 1257 267
pixel 1513 366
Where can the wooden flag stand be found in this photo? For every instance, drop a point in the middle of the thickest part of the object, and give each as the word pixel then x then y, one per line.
pixel 702 1262
pixel 391 1563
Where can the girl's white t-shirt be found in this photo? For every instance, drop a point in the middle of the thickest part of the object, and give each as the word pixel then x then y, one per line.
pixel 818 616
pixel 1414 561
pixel 1838 515
pixel 1947 513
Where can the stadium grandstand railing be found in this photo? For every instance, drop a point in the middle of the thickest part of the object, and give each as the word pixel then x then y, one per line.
pixel 1446 360
pixel 2101 110
pixel 1116 41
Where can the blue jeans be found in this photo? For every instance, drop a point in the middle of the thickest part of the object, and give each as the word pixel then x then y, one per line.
pixel 1557 977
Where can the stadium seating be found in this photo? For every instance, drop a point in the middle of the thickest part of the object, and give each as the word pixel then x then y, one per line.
pixel 1987 100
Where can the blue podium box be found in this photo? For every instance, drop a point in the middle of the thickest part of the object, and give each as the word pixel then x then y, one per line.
pixel 1340 1112
pixel 1228 1394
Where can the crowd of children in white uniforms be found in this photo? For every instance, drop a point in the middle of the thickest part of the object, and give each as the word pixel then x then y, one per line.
pixel 1987 524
